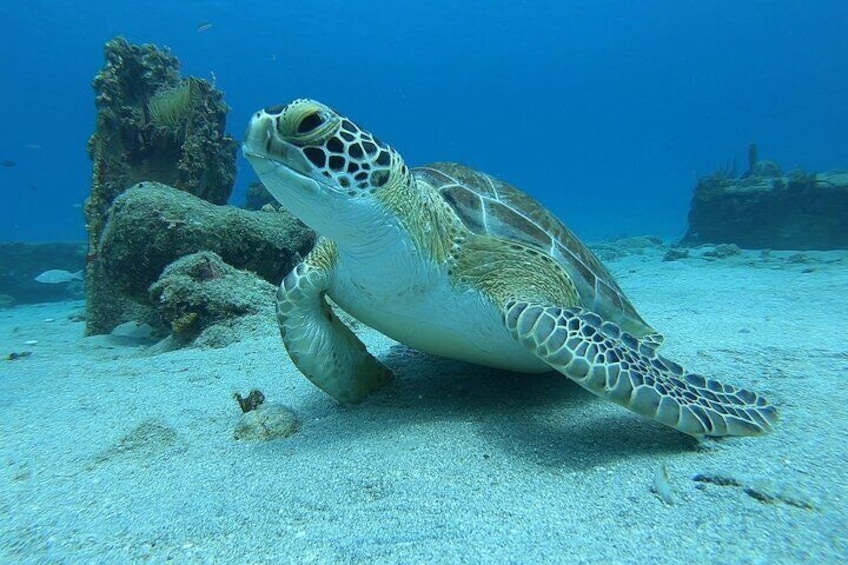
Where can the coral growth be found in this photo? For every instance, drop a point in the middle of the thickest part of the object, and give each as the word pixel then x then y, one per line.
pixel 193 305
pixel 169 108
pixel 764 208
pixel 152 125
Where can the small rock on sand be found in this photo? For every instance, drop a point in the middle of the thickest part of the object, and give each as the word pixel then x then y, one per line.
pixel 266 422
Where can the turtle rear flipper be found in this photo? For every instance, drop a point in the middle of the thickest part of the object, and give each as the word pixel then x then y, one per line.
pixel 617 366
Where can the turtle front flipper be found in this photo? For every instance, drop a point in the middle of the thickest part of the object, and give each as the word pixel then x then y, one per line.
pixel 617 366
pixel 319 344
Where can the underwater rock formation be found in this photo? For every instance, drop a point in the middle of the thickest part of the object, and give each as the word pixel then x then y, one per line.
pixel 268 422
pixel 152 225
pixel 201 298
pixel 765 209
pixel 152 125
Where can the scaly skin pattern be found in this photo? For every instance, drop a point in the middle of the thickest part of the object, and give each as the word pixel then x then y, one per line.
pixel 617 366
pixel 322 347
pixel 462 264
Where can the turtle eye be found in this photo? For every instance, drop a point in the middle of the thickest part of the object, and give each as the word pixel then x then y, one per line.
pixel 310 123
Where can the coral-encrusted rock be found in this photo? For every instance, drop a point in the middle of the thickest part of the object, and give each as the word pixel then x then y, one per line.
pixel 201 299
pixel 152 125
pixel 152 225
pixel 796 211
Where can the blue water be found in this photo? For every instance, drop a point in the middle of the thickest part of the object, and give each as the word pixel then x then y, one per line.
pixel 607 111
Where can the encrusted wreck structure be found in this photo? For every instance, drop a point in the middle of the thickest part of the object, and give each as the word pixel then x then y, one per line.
pixel 767 209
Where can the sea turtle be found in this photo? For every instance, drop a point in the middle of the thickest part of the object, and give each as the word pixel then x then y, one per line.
pixel 454 262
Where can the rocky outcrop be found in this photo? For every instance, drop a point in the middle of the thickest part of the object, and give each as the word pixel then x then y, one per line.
pixel 202 300
pixel 765 209
pixel 152 125
pixel 152 226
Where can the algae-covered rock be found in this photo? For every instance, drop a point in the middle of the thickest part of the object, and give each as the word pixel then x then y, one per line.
pixel 152 125
pixel 152 225
pixel 768 210
pixel 200 293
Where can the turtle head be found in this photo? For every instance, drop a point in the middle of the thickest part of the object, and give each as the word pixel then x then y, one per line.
pixel 322 167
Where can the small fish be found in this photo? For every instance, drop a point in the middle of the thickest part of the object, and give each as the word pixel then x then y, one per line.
pixel 33 146
pixel 7 163
pixel 204 26
pixel 134 332
pixel 57 276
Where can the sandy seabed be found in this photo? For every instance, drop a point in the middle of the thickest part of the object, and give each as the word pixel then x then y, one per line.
pixel 111 454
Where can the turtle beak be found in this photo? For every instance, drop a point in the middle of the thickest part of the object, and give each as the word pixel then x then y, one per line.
pixel 258 136
pixel 265 150
pixel 278 165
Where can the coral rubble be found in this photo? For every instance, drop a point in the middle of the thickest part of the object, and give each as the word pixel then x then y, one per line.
pixel 267 422
pixel 250 402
